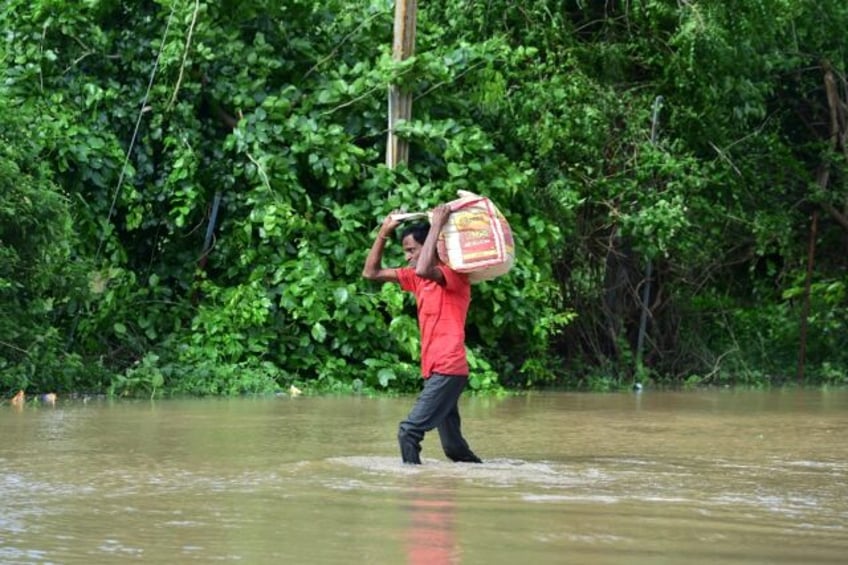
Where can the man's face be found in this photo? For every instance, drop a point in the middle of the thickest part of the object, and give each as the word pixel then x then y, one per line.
pixel 411 250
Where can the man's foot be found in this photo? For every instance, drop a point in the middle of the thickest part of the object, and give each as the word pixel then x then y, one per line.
pixel 470 458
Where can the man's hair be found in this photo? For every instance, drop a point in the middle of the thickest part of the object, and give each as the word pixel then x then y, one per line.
pixel 417 231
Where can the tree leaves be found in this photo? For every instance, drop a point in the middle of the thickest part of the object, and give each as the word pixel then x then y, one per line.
pixel 263 137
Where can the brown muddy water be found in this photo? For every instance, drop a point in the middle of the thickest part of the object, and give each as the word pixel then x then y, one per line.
pixel 649 478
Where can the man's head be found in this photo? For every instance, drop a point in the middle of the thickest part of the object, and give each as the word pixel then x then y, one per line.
pixel 412 238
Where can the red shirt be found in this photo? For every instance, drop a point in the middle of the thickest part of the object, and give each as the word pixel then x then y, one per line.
pixel 441 319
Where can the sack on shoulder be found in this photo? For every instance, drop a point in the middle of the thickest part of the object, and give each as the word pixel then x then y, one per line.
pixel 476 239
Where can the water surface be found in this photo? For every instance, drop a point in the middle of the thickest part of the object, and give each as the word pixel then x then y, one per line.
pixel 656 477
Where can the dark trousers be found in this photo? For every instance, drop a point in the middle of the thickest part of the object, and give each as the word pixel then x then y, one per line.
pixel 436 407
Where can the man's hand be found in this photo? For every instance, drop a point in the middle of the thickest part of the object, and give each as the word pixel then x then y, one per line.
pixel 389 225
pixel 440 216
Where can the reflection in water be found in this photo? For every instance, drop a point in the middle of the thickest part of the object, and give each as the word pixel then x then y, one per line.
pixel 430 537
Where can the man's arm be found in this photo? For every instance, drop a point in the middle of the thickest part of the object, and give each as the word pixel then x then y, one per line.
pixel 428 261
pixel 373 269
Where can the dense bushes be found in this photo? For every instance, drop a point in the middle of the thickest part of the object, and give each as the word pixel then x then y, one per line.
pixel 190 189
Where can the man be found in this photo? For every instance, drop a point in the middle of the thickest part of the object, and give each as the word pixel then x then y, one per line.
pixel 443 296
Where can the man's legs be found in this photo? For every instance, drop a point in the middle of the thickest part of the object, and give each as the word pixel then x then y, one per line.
pixel 436 405
pixel 453 444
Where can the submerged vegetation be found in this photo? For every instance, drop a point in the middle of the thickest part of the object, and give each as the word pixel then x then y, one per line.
pixel 188 190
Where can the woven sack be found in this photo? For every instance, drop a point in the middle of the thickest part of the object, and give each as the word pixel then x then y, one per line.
pixel 476 239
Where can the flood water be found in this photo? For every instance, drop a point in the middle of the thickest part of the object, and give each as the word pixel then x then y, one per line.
pixel 649 478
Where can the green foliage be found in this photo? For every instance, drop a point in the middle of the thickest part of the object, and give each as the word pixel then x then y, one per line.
pixel 40 274
pixel 187 205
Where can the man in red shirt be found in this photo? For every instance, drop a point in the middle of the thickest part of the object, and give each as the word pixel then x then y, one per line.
pixel 443 296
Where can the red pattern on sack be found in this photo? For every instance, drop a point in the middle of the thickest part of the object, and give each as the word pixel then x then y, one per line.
pixel 477 239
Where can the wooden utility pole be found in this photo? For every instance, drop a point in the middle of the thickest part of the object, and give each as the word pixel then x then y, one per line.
pixel 400 102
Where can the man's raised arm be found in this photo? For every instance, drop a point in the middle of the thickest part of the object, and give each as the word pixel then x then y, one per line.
pixel 373 269
pixel 428 260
